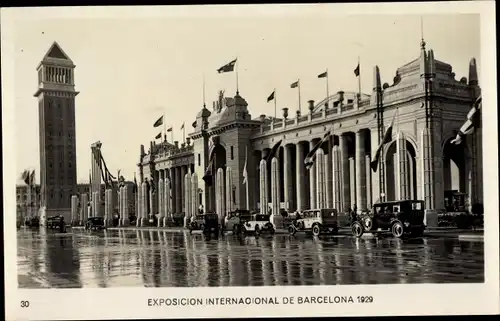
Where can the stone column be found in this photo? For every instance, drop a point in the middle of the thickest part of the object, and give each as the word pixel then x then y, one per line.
pixel 187 198
pixel 344 159
pixel 288 178
pixel 168 202
pixel 173 190
pixel 329 178
pixel 138 204
pixel 312 180
pixel 263 187
pixel 402 167
pixel 194 194
pixel 125 206
pixel 410 176
pixel 275 192
pixel 219 196
pixel 74 210
pixel 337 179
pixel 360 171
pixel 161 199
pixel 319 167
pixel 119 194
pixel 229 190
pixel 106 208
pixel 144 203
pixel 96 208
pixel 300 174
pixel 183 188
pixel 85 209
pixel 369 200
pixel 352 182
pixel 427 169
pixel 178 190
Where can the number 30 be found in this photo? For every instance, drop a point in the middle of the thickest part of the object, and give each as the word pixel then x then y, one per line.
pixel 25 304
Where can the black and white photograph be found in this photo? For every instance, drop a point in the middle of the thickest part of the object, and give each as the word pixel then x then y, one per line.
pixel 244 150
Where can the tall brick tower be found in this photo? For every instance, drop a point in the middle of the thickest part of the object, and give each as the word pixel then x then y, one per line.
pixel 56 106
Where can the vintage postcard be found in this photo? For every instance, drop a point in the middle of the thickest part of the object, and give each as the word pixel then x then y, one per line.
pixel 250 160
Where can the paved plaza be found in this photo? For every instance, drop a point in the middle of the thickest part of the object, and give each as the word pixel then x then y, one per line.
pixel 166 258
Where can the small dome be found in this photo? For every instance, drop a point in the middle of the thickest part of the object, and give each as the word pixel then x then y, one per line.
pixel 385 85
pixel 463 80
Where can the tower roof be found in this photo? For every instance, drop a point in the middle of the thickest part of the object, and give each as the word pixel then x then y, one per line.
pixel 56 55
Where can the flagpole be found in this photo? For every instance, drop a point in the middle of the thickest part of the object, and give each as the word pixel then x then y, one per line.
pixel 172 134
pixel 299 93
pixel 327 89
pixel 164 127
pixel 274 102
pixel 204 90
pixel 184 132
pixel 359 79
pixel 237 85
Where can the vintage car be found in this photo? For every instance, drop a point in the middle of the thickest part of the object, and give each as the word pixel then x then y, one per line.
pixel 317 221
pixel 33 222
pixel 234 220
pixel 257 224
pixel 207 223
pixel 53 222
pixel 95 223
pixel 401 218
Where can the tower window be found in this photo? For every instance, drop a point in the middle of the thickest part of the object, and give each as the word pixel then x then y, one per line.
pixel 232 153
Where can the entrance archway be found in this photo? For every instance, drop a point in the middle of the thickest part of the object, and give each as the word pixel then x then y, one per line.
pixel 456 176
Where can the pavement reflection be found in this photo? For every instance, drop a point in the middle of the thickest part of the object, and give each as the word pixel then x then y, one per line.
pixel 152 258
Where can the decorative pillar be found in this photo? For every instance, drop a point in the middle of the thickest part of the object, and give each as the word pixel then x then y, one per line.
pixel 187 198
pixel 173 190
pixel 183 170
pixel 229 190
pixel 168 202
pixel 219 196
pixel 119 194
pixel 96 206
pixel 161 200
pixel 427 169
pixel 288 178
pixel 352 182
pixel 125 206
pixel 138 204
pixel 178 190
pixel 411 182
pixel 360 171
pixel 299 175
pixel 320 179
pixel 328 179
pixel 106 208
pixel 194 194
pixel 369 200
pixel 312 180
pixel 275 191
pixel 263 187
pixel 74 210
pixel 144 203
pixel 344 159
pixel 403 183
pixel 84 214
pixel 337 179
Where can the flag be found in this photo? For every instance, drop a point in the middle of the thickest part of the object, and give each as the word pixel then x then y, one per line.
pixel 273 151
pixel 207 177
pixel 471 122
pixel 271 97
pixel 227 68
pixel 25 176
pixel 356 71
pixel 158 136
pixel 159 122
pixel 323 75
pixel 169 130
pixel 32 178
pixel 245 172
pixel 295 84
pixel 182 127
pixel 311 156
pixel 387 138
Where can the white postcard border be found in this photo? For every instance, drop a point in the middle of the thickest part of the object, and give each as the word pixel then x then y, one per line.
pixel 132 302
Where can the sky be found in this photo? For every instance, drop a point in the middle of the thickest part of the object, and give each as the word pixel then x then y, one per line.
pixel 129 71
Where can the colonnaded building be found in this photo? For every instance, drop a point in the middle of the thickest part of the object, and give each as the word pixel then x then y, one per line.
pixel 425 104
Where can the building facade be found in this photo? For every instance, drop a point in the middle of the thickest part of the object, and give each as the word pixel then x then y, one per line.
pixel 56 104
pixel 425 106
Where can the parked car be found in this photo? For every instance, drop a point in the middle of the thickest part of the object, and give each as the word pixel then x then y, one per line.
pixel 53 222
pixel 400 218
pixel 317 221
pixel 207 223
pixel 95 224
pixel 235 220
pixel 257 224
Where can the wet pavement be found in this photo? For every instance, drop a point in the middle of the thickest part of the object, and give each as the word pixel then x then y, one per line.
pixel 153 258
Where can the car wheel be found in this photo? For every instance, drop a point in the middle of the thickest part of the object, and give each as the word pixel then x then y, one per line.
pixel 257 230
pixel 357 229
pixel 292 230
pixel 316 230
pixel 397 230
